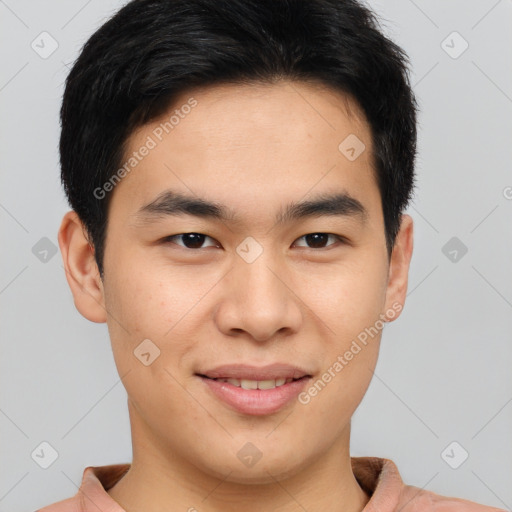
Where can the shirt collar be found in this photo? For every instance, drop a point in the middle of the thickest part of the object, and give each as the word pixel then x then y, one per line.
pixel 378 477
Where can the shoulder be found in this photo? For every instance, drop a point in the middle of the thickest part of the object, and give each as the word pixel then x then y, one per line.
pixel 92 495
pixel 414 499
pixel 67 505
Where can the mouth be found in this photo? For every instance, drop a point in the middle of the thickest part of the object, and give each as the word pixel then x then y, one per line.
pixel 256 384
pixel 255 391
pixel 275 372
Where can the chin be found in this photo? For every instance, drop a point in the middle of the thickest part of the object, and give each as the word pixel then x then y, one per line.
pixel 276 466
pixel 260 474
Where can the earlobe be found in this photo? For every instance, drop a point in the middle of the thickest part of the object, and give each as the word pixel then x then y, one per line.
pixel 81 269
pixel 399 268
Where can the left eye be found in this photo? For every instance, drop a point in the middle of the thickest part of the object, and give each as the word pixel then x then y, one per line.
pixel 318 239
pixel 196 240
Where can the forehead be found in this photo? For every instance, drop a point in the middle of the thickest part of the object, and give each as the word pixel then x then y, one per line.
pixel 251 145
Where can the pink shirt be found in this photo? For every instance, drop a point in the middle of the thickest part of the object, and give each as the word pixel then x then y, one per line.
pixel 378 477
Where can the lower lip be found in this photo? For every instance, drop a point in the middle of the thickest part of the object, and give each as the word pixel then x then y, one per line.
pixel 256 402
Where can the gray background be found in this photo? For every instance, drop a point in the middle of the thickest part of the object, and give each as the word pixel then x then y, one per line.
pixel 444 369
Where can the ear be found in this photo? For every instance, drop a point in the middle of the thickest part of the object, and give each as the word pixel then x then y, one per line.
pixel 81 269
pixel 398 274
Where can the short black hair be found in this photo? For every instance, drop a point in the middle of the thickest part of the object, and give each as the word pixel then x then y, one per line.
pixel 150 51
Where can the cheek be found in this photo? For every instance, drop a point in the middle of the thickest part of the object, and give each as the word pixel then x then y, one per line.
pixel 344 378
pixel 347 297
pixel 349 304
pixel 140 308
pixel 147 299
pixel 144 307
pixel 156 303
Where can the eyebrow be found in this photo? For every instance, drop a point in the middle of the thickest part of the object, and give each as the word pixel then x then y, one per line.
pixel 171 203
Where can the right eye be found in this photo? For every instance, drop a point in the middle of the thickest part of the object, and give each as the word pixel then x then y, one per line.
pixel 189 240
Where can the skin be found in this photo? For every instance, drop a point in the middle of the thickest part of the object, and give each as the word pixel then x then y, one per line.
pixel 254 148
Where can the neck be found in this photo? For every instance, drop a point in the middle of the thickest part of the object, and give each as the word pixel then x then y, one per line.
pixel 158 482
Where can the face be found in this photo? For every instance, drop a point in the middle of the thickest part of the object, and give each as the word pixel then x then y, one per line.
pixel 251 280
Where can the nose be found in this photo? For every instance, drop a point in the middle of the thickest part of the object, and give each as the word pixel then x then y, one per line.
pixel 259 299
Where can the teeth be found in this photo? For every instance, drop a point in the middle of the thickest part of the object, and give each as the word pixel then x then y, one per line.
pixel 248 384
pixel 256 384
pixel 266 384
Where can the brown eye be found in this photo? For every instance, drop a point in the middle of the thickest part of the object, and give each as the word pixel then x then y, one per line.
pixel 189 240
pixel 319 240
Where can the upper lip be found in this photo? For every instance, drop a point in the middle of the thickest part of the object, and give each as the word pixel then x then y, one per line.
pixel 249 372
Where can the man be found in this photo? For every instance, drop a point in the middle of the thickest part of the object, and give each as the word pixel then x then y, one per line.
pixel 238 172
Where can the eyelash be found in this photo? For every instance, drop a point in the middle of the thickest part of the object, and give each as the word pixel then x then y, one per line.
pixel 342 240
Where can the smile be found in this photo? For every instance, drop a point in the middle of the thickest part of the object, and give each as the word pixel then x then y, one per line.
pixel 256 384
pixel 255 397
